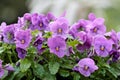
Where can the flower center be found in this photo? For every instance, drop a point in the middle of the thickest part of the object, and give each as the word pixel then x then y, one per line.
pixel 22 41
pixel 36 44
pixel 57 48
pixel 40 24
pixel 95 29
pixel 59 30
pixel 86 68
pixel 81 28
pixel 10 36
pixel 102 48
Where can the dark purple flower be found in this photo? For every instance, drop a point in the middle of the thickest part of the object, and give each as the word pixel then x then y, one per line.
pixel 85 44
pixel 97 27
pixel 8 34
pixel 38 42
pixel 86 66
pixel 115 54
pixel 40 51
pixel 57 46
pixel 102 46
pixel 23 38
pixel 1 69
pixel 21 52
pixel 59 27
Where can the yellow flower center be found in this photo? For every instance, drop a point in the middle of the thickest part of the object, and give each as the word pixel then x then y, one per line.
pixel 22 41
pixel 57 48
pixel 40 25
pixel 86 67
pixel 59 30
pixel 95 29
pixel 102 48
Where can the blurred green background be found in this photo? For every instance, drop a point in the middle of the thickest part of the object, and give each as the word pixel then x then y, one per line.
pixel 10 10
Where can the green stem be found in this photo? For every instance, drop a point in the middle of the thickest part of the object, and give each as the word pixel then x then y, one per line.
pixel 9 56
pixel 14 54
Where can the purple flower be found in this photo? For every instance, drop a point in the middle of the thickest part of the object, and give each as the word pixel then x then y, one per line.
pixel 102 46
pixel 115 54
pixel 27 16
pixel 59 27
pixel 8 34
pixel 1 69
pixel 38 42
pixel 23 38
pixel 21 22
pixel 81 36
pixel 50 17
pixel 9 67
pixel 57 46
pixel 38 22
pixel 97 27
pixel 21 52
pixel 112 37
pixel 91 17
pixel 40 51
pixel 2 26
pixel 86 42
pixel 79 26
pixel 86 66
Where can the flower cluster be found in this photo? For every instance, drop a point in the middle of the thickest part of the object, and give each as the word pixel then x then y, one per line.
pixel 45 32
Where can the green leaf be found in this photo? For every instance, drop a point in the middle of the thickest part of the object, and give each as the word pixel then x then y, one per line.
pixel 19 76
pixel 53 67
pixel 76 76
pixel 47 34
pixel 113 72
pixel 72 43
pixel 1 50
pixel 64 73
pixel 48 76
pixel 35 32
pixel 67 66
pixel 25 65
pixel 106 65
pixel 38 70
